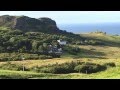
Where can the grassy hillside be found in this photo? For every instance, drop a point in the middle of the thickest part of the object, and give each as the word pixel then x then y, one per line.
pixel 107 52
pixel 110 40
pixel 112 55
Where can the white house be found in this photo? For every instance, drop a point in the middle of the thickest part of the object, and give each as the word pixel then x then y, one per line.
pixel 62 42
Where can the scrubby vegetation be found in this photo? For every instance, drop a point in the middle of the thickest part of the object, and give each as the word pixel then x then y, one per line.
pixel 22 56
pixel 72 67
pixel 33 43
pixel 111 64
pixel 16 44
pixel 10 66
pixel 89 68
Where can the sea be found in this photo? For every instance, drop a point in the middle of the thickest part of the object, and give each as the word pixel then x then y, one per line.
pixel 109 28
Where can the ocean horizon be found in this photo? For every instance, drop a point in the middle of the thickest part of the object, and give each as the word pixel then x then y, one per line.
pixel 109 28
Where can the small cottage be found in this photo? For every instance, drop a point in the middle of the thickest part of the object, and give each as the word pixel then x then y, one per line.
pixel 62 42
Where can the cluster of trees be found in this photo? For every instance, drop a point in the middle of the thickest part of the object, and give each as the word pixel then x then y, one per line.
pixel 32 42
pixel 37 42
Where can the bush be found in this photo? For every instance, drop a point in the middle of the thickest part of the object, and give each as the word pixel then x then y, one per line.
pixel 89 68
pixel 54 55
pixel 10 66
pixel 57 68
pixel 61 69
pixel 45 57
pixel 110 64
pixel 19 56
pixel 31 56
pixel 64 68
pixel 15 32
pixel 42 69
pixel 4 59
pixel 72 67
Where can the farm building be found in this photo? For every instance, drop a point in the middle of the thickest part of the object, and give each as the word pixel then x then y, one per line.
pixel 62 42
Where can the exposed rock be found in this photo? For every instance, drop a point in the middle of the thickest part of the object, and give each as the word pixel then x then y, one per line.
pixel 26 24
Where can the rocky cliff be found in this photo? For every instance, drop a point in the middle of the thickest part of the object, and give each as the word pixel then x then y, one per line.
pixel 26 24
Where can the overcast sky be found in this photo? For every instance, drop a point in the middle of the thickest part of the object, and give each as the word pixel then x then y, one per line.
pixel 62 17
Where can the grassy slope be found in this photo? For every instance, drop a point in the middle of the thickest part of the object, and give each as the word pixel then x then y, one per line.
pixel 107 39
pixel 89 53
pixel 109 73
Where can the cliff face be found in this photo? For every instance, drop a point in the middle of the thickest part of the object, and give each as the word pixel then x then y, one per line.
pixel 7 21
pixel 25 23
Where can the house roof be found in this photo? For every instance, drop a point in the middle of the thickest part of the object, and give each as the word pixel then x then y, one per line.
pixel 61 40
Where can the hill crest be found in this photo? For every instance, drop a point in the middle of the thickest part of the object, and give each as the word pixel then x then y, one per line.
pixel 26 23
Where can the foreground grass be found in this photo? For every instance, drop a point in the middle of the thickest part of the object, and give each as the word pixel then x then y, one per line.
pixel 8 74
pixel 112 73
pixel 109 73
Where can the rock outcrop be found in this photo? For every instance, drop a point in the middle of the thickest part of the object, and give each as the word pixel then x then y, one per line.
pixel 26 24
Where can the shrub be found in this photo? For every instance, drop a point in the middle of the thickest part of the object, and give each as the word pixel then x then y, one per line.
pixel 19 56
pixel 43 69
pixel 89 68
pixel 54 55
pixel 31 56
pixel 71 67
pixel 57 68
pixel 4 59
pixel 110 64
pixel 64 68
pixel 10 66
pixel 61 69
pixel 15 32
pixel 45 57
